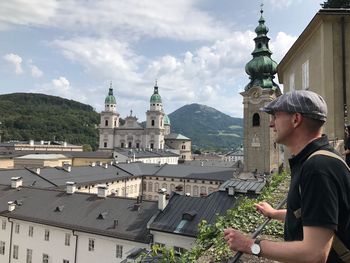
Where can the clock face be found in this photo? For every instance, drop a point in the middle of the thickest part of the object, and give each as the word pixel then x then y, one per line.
pixel 255 249
pixel 256 94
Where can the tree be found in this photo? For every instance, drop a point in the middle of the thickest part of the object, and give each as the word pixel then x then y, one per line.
pixel 336 4
pixel 87 148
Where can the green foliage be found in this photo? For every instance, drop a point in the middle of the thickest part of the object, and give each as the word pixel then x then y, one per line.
pixel 26 116
pixel 207 127
pixel 336 4
pixel 210 239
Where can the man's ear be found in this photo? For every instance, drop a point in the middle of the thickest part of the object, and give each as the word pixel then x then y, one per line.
pixel 297 119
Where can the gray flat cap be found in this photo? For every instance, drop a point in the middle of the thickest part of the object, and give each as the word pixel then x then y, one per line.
pixel 308 103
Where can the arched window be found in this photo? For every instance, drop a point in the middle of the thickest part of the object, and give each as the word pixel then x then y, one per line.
pixel 129 145
pixel 188 189
pixel 195 190
pixel 256 120
pixel 122 145
pixel 164 185
pixel 210 190
pixel 106 122
pixel 203 190
pixel 172 187
pixel 152 122
pixel 150 187
pixel 156 187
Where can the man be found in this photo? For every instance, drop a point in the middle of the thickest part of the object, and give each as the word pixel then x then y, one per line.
pixel 347 145
pixel 318 204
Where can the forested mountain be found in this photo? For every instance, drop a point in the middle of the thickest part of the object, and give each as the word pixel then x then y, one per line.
pixel 26 116
pixel 207 127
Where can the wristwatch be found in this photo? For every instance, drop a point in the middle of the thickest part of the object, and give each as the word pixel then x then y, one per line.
pixel 255 248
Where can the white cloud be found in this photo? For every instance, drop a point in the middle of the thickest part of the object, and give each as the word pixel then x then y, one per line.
pixel 35 71
pixel 16 61
pixel 280 3
pixel 24 12
pixel 62 84
pixel 179 19
pixel 281 45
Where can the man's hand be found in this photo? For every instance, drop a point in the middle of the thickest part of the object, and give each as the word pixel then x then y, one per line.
pixel 268 211
pixel 237 241
pixel 265 208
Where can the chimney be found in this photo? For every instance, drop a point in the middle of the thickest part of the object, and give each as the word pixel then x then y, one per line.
pixel 93 164
pixel 162 202
pixel 16 182
pixel 42 142
pixel 102 191
pixel 70 187
pixel 105 165
pixel 37 171
pixel 67 167
pixel 231 190
pixel 11 205
pixel 187 194
pixel 64 144
pixel 31 142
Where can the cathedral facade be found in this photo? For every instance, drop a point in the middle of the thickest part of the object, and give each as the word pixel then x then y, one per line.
pixel 131 134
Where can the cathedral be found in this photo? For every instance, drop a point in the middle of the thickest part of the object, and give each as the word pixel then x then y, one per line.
pixel 131 134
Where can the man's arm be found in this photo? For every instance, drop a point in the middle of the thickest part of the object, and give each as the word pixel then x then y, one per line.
pixel 314 248
pixel 268 211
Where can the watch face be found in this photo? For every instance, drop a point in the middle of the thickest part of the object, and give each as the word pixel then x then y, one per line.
pixel 255 248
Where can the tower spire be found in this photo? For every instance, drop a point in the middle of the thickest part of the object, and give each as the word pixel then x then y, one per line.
pixel 262 67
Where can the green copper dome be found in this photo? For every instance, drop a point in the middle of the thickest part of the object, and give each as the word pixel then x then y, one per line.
pixel 110 99
pixel 262 67
pixel 166 120
pixel 156 98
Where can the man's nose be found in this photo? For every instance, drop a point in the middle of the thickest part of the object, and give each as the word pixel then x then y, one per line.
pixel 272 123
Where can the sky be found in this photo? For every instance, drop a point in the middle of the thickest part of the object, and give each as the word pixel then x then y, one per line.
pixel 195 49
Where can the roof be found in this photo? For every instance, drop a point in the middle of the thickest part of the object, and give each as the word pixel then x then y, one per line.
pixel 80 212
pixel 176 136
pixel 74 154
pixel 45 156
pixel 193 210
pixel 156 98
pixel 29 178
pixel 166 120
pixel 145 153
pixel 110 99
pixel 253 186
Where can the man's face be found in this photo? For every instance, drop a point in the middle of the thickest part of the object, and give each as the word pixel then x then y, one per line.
pixel 282 124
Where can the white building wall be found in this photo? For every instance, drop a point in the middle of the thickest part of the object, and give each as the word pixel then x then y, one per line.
pixel 173 240
pixel 104 249
pixel 55 247
pixel 5 235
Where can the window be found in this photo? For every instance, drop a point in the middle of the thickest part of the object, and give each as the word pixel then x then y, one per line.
pixel 30 231
pixel 47 235
pixel 256 120
pixel 129 145
pixel 91 244
pixel 3 224
pixel 45 258
pixel 29 255
pixel 137 145
pixel 106 122
pixel 152 122
pixel 291 82
pixel 67 239
pixel 188 189
pixel 165 186
pixel 152 146
pixel 183 147
pixel 122 145
pixel 156 187
pixel 305 75
pixel 195 190
pixel 15 252
pixel 150 187
pixel 2 248
pixel 65 261
pixel 118 251
pixel 105 144
pixel 17 228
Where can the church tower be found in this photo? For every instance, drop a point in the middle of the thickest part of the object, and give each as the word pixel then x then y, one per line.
pixel 155 122
pixel 109 121
pixel 261 153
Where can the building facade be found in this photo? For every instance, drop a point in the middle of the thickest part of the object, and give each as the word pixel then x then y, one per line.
pixel 319 61
pixel 131 134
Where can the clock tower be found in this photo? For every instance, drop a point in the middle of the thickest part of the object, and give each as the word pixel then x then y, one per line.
pixel 261 153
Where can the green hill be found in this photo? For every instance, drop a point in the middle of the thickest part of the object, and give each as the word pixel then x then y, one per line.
pixel 207 127
pixel 26 116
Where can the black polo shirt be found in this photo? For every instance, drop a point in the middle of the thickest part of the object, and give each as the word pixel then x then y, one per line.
pixel 325 194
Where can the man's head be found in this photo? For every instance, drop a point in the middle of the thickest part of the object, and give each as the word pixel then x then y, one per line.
pixel 300 109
